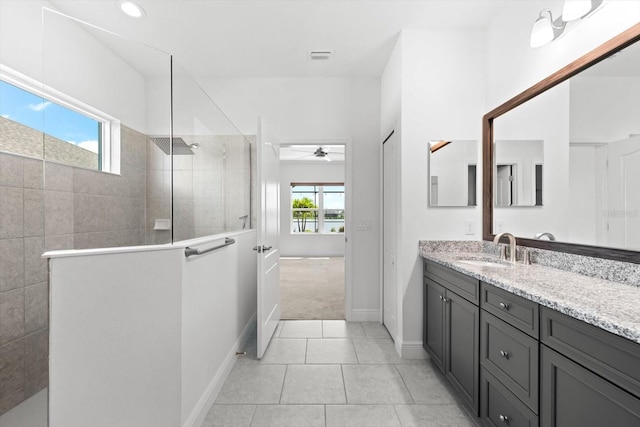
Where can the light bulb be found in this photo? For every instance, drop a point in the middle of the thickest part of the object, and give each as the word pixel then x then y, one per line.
pixel 542 31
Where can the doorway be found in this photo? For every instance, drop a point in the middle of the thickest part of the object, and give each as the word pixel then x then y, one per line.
pixel 314 201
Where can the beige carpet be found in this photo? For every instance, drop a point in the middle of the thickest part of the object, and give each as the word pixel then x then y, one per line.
pixel 312 288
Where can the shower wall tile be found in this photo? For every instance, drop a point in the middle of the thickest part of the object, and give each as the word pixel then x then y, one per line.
pixel 133 147
pixel 182 184
pixel 58 177
pixel 11 264
pixel 11 212
pixel 58 212
pixel 90 212
pixel 58 242
pixel 11 315
pixel 207 184
pixel 136 182
pixel 208 213
pixel 183 213
pixel 33 173
pixel 11 368
pixel 156 159
pixel 183 163
pixel 158 184
pixel 12 400
pixel 35 268
pixel 33 212
pixel 36 307
pixel 180 234
pixel 34 386
pixel 11 171
pixel 36 355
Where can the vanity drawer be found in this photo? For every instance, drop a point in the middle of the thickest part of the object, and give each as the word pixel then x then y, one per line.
pixel 615 358
pixel 465 286
pixel 515 310
pixel 511 356
pixel 499 407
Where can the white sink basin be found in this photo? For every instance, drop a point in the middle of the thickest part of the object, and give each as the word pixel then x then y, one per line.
pixel 482 263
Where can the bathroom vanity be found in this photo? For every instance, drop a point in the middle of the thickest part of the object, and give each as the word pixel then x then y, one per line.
pixel 528 345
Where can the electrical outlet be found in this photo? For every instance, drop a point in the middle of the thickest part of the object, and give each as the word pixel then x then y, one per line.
pixel 469 227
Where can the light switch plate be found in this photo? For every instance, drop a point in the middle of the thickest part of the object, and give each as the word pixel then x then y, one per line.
pixel 469 227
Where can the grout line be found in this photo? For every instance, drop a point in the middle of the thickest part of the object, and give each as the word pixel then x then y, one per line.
pixel 286 369
pixel 344 385
pixel 355 351
pixel 405 385
pixel 306 350
pixel 253 416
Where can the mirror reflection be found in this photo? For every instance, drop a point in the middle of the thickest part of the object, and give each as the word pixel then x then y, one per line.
pixel 518 172
pixel 453 172
pixel 588 130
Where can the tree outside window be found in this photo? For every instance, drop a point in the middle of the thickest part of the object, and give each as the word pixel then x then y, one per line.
pixel 317 208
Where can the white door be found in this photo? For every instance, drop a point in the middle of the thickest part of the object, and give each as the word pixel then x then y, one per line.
pixel 267 248
pixel 504 185
pixel 623 201
pixel 389 239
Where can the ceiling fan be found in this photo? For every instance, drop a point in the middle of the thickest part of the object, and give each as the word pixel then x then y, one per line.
pixel 320 153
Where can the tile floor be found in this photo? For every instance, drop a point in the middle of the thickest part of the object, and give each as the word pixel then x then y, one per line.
pixel 332 373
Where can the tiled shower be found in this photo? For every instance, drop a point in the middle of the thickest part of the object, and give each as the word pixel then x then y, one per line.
pixel 155 198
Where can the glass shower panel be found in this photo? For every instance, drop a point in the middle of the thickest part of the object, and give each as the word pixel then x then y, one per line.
pixel 211 164
pixel 107 182
pixel 23 275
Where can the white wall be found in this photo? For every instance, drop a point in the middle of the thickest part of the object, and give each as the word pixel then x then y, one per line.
pixel 115 339
pixel 73 61
pixel 442 97
pixel 324 108
pixel 604 109
pixel 307 244
pixel 144 335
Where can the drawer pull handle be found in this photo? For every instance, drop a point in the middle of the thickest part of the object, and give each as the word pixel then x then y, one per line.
pixel 504 354
pixel 504 306
pixel 504 419
pixel 441 297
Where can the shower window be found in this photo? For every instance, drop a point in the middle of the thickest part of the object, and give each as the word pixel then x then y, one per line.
pixel 48 125
pixel 317 208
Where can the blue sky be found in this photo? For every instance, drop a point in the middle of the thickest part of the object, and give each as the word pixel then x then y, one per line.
pixel 45 116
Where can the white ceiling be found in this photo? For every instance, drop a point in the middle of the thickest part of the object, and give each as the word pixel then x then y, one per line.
pixel 265 38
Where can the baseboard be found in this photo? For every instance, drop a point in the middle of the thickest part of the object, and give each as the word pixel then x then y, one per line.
pixel 364 315
pixel 210 394
pixel 413 350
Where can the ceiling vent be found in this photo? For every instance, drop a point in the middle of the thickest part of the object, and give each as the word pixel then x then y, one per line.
pixel 321 54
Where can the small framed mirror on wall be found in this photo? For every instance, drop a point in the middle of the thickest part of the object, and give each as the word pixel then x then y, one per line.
pixel 453 173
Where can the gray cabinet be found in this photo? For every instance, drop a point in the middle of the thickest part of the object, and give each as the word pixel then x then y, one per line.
pixel 451 330
pixel 588 376
pixel 573 396
pixel 518 364
pixel 434 322
pixel 509 355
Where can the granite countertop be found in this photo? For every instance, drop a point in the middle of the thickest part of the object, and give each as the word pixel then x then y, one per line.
pixel 612 306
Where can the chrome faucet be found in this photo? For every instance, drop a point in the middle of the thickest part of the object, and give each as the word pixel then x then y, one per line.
pixel 547 235
pixel 512 246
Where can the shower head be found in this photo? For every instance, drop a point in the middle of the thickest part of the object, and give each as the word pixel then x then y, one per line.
pixel 179 146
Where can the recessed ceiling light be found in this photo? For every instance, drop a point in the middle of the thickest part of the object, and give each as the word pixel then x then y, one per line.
pixel 131 9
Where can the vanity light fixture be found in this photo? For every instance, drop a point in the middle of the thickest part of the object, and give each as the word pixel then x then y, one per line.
pixel 435 145
pixel 546 29
pixel 578 9
pixel 131 8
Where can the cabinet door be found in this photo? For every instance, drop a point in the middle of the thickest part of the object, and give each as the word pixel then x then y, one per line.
pixel 573 396
pixel 462 329
pixel 434 321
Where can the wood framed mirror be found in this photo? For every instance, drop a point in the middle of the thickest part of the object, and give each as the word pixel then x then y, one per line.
pixel 597 247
